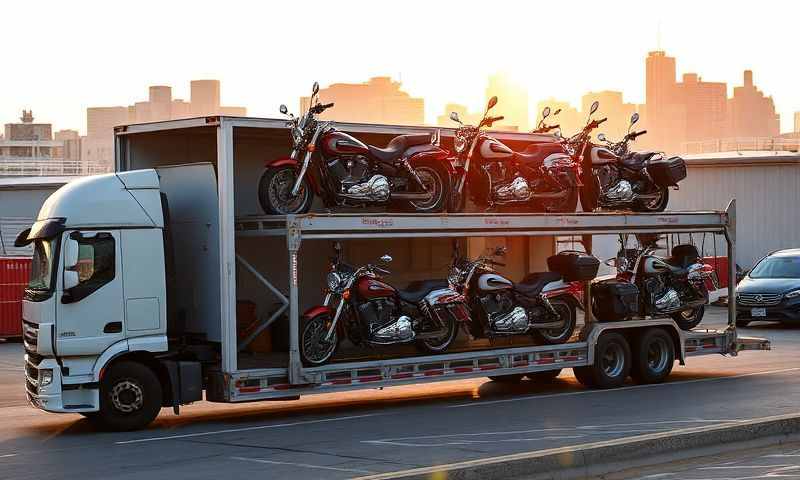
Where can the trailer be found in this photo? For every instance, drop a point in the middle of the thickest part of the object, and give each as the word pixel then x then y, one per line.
pixel 181 213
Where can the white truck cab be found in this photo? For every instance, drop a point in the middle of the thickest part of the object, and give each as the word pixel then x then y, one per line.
pixel 95 310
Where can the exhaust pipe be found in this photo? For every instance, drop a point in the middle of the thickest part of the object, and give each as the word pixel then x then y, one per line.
pixel 411 196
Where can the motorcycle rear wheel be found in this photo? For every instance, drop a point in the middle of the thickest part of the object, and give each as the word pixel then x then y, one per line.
pixel 688 319
pixel 437 182
pixel 274 192
pixel 557 336
pixel 433 345
pixel 657 205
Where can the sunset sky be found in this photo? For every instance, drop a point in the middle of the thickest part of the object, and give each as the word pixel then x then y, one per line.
pixel 59 57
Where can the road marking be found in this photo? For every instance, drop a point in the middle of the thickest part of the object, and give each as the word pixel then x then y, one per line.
pixel 245 429
pixel 631 387
pixel 737 467
pixel 304 465
pixel 8 455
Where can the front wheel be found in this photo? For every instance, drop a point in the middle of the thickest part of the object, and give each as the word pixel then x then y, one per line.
pixel 130 398
pixel 555 336
pixel 688 319
pixel 275 192
pixel 436 184
pixel 658 203
pixel 590 193
pixel 315 349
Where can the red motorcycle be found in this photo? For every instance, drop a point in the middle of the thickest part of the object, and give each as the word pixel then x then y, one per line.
pixel 542 177
pixel 412 172
pixel 360 306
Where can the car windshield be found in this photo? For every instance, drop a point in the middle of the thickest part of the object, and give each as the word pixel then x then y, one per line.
pixel 777 267
pixel 42 264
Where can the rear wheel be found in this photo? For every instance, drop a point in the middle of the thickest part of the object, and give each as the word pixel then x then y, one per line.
pixel 688 319
pixel 314 348
pixel 653 356
pixel 130 397
pixel 436 183
pixel 441 343
pixel 275 192
pixel 612 363
pixel 554 336
pixel 657 204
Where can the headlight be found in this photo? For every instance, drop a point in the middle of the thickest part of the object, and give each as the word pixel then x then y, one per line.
pixel 297 136
pixel 335 281
pixel 45 377
pixel 792 294
pixel 460 143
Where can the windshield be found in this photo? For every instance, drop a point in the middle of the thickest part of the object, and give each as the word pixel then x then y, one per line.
pixel 777 267
pixel 43 264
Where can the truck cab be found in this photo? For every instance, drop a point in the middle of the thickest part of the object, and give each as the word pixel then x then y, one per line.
pixel 95 310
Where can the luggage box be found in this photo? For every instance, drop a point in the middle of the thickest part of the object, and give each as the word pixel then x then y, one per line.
pixel 574 266
pixel 667 172
pixel 614 301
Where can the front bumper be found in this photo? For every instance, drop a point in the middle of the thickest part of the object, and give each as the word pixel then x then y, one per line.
pixel 56 397
pixel 787 310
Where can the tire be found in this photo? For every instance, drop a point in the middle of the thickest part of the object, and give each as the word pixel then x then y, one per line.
pixel 742 323
pixel 612 363
pixel 311 332
pixel 653 356
pixel 273 192
pixel 689 321
pixel 590 193
pixel 130 398
pixel 546 376
pixel 432 346
pixel 655 206
pixel 562 335
pixel 456 203
pixel 515 378
pixel 432 176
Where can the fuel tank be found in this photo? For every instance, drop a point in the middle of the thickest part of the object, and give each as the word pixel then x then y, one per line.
pixel 369 288
pixel 493 149
pixel 602 156
pixel 489 282
pixel 340 143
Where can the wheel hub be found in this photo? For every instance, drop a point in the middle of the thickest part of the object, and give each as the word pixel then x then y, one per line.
pixel 127 396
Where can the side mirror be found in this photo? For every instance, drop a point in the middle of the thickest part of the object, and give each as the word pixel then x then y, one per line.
pixel 634 118
pixel 557 112
pixel 454 117
pixel 595 106
pixel 315 89
pixel 284 110
pixel 545 112
pixel 602 137
pixel 71 249
pixel 386 259
pixel 492 103
pixel 70 279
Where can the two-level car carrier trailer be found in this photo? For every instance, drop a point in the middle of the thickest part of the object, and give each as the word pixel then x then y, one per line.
pixel 219 249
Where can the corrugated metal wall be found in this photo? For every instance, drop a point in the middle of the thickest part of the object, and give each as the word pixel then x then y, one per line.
pixel 14 273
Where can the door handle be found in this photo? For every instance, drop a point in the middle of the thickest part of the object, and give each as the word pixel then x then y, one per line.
pixel 113 327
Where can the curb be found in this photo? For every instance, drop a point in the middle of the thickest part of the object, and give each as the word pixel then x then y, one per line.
pixel 599 458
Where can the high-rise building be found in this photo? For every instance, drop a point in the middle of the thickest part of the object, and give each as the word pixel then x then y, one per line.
pixel 512 101
pixel 752 114
pixel 705 107
pixel 205 97
pixel 379 100
pixel 28 139
pixel 70 149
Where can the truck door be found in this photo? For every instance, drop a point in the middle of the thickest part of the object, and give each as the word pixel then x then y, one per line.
pixel 90 314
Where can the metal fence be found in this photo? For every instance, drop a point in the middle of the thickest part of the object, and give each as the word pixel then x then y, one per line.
pixel 742 144
pixel 42 166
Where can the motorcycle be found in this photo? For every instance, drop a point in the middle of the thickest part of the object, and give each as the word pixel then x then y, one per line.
pixel 638 181
pixel 542 304
pixel 543 177
pixel 411 173
pixel 363 308
pixel 675 287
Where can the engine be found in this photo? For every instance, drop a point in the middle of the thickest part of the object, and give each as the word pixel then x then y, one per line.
pixel 517 190
pixel 502 315
pixel 382 323
pixel 357 181
pixel 663 297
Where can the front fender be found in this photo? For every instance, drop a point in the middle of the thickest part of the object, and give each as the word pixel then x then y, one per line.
pixel 318 310
pixel 280 162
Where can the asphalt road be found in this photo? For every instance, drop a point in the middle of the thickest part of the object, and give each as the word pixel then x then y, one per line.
pixel 356 433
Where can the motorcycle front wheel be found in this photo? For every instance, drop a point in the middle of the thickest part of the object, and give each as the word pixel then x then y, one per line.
pixel 555 336
pixel 275 192
pixel 314 349
pixel 658 204
pixel 688 319
pixel 590 193
pixel 441 343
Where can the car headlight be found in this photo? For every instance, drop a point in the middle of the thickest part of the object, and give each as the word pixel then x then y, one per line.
pixel 460 144
pixel 45 377
pixel 792 294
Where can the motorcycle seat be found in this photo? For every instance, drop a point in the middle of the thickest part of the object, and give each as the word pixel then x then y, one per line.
pixel 416 291
pixel 533 283
pixel 637 160
pixel 399 144
pixel 535 153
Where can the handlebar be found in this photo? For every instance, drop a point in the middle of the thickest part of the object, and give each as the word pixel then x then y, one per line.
pixel 327 106
pixel 636 134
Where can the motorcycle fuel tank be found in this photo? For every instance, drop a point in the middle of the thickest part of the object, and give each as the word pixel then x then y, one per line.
pixel 492 149
pixel 602 156
pixel 369 288
pixel 491 281
pixel 340 143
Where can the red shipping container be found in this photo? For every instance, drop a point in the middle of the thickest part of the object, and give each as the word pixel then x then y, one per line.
pixel 14 274
pixel 720 265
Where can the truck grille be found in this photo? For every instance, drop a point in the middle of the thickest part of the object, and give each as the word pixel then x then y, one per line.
pixel 30 336
pixel 759 299
pixel 31 377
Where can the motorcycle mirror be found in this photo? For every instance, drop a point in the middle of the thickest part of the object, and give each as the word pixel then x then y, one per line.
pixel 545 112
pixel 602 137
pixel 634 118
pixel 557 112
pixel 315 89
pixel 337 246
pixel 283 109
pixel 492 103
pixel 595 106
pixel 454 117
pixel 611 262
pixel 386 259
pixel 500 251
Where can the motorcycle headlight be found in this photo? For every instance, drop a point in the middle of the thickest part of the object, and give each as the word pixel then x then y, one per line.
pixel 297 136
pixel 792 294
pixel 334 281
pixel 460 144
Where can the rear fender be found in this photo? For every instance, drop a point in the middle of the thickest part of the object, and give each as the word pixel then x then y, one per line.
pixel 433 157
pixel 571 292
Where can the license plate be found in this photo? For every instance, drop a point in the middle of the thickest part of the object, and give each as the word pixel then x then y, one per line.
pixel 758 312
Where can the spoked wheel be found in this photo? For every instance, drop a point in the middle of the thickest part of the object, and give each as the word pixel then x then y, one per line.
pixel 657 204
pixel 688 319
pixel 275 192
pixel 314 348
pixel 440 343
pixel 567 204
pixel 554 336
pixel 435 185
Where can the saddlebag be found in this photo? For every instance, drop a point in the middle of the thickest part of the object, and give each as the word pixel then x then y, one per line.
pixel 614 301
pixel 574 266
pixel 667 172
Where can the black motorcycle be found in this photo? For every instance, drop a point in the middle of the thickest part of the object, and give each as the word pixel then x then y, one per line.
pixel 615 178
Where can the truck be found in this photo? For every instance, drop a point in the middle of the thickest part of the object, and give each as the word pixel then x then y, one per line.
pixel 132 302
